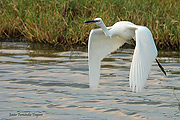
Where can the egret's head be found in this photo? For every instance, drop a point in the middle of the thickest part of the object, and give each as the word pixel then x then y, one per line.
pixel 97 21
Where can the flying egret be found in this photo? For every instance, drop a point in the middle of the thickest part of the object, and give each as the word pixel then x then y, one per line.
pixel 104 40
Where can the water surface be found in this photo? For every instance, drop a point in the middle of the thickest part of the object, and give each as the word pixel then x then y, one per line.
pixel 38 82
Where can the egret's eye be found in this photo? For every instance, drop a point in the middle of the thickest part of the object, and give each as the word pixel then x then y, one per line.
pixel 97 20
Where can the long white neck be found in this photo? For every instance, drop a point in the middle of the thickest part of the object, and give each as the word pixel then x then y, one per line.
pixel 105 30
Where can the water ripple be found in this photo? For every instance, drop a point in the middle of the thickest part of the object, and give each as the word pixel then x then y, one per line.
pixel 39 79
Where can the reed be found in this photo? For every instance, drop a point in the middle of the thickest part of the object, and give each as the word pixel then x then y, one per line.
pixel 61 22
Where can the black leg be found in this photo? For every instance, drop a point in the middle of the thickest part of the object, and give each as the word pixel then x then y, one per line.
pixel 160 66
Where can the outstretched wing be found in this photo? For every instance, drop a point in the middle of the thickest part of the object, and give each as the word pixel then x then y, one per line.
pixel 144 54
pixel 100 46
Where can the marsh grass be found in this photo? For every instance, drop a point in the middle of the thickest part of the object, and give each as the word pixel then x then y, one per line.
pixel 61 22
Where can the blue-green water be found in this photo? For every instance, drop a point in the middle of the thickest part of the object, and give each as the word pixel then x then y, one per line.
pixel 38 82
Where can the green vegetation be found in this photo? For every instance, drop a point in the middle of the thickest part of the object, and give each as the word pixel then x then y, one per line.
pixel 61 22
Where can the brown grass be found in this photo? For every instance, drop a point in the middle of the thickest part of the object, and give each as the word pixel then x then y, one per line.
pixel 61 22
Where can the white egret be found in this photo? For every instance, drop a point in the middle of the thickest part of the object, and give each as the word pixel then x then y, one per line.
pixel 105 40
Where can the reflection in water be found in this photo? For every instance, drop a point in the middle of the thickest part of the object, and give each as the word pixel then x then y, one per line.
pixel 37 79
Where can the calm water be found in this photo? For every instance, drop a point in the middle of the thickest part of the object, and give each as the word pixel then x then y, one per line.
pixel 38 82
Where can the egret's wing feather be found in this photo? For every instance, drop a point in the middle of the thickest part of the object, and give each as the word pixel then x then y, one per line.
pixel 100 46
pixel 144 54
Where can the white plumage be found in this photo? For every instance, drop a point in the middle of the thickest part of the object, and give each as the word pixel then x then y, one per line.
pixel 104 40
